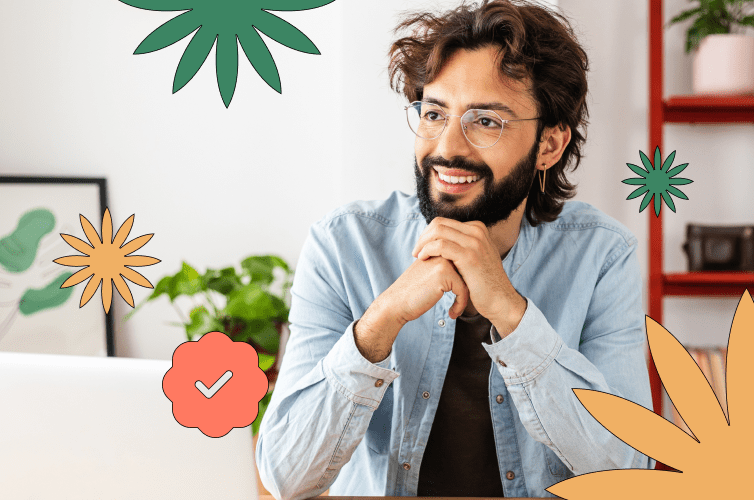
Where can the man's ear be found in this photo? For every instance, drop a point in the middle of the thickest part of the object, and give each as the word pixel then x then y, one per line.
pixel 554 141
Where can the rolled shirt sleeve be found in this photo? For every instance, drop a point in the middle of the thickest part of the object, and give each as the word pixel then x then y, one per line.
pixel 541 371
pixel 326 392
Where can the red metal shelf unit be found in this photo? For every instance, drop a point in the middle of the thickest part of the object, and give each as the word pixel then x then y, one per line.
pixel 683 109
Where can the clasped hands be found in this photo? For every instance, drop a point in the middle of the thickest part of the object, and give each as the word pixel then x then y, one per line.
pixel 459 257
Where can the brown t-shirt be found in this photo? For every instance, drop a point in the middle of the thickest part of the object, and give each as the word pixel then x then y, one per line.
pixel 460 459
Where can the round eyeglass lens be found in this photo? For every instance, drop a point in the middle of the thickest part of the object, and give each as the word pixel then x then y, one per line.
pixel 426 120
pixel 481 127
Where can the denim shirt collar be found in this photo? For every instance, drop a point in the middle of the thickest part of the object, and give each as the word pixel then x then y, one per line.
pixel 521 249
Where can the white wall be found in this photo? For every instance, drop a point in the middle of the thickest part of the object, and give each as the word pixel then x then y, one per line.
pixel 213 184
pixel 217 184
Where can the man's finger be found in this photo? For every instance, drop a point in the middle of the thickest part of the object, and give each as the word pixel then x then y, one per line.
pixel 446 232
pixel 459 288
pixel 447 249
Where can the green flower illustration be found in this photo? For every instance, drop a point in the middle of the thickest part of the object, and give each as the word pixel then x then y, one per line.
pixel 228 22
pixel 657 183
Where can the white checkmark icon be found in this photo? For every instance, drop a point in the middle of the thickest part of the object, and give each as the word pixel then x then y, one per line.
pixel 208 393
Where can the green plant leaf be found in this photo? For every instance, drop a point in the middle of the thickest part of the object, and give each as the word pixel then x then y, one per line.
pixel 261 332
pixel 260 268
pixel 163 287
pixel 266 361
pixel 250 303
pixel 201 322
pixel 747 21
pixel 706 24
pixel 186 282
pixel 281 310
pixel 223 281
pixel 176 29
pixel 684 15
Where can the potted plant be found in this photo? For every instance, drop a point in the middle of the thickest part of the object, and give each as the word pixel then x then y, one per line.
pixel 724 58
pixel 251 311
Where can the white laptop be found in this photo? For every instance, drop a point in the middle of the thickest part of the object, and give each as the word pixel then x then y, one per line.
pixel 75 427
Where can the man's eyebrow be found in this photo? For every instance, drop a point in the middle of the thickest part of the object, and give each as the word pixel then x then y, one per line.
pixel 497 106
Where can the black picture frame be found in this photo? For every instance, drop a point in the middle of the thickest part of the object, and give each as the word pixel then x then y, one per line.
pixel 32 189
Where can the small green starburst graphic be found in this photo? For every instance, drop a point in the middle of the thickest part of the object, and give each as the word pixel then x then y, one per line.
pixel 229 22
pixel 657 182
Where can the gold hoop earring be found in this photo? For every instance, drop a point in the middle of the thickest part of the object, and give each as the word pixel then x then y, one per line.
pixel 542 178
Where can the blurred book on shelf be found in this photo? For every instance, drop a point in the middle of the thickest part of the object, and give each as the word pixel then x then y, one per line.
pixel 712 362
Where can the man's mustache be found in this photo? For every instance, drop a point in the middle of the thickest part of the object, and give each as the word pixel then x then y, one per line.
pixel 480 170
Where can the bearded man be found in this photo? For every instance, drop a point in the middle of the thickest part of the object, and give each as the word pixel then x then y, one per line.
pixel 436 339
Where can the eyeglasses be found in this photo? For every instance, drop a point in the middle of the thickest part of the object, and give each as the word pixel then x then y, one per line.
pixel 482 127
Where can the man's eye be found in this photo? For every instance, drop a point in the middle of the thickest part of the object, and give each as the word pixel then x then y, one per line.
pixel 432 116
pixel 487 122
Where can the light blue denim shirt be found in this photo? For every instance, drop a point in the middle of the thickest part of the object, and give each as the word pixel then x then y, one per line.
pixel 338 421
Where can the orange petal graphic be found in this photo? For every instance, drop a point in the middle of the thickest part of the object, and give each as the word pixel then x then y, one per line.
pixel 714 466
pixel 106 261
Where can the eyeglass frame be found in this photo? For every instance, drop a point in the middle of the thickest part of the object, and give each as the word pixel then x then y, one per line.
pixel 463 129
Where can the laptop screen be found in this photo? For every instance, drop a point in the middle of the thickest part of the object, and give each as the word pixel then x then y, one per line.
pixel 98 427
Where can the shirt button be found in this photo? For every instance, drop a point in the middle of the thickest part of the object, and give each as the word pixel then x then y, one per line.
pixel 509 475
pixel 499 398
pixel 501 362
pixel 425 395
pixel 441 323
pixel 378 383
pixel 406 465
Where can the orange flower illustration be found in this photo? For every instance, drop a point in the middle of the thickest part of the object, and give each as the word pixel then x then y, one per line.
pixel 714 462
pixel 106 260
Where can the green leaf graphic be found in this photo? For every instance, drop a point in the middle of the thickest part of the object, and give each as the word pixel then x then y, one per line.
pixel 657 183
pixel 19 249
pixel 228 22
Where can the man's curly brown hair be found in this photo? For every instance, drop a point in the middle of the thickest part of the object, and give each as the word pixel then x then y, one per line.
pixel 536 44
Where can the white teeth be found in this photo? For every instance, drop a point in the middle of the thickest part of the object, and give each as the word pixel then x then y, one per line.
pixel 458 180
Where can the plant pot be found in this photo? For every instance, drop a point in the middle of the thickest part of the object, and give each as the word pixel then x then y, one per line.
pixel 724 64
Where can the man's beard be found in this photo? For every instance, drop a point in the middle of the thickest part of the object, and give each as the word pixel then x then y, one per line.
pixel 497 201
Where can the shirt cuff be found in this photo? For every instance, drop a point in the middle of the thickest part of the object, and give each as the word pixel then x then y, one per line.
pixel 353 375
pixel 528 350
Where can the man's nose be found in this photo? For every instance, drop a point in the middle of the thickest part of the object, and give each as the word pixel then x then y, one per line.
pixel 452 142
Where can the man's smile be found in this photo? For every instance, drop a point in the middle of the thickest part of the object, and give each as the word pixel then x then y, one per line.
pixel 455 181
